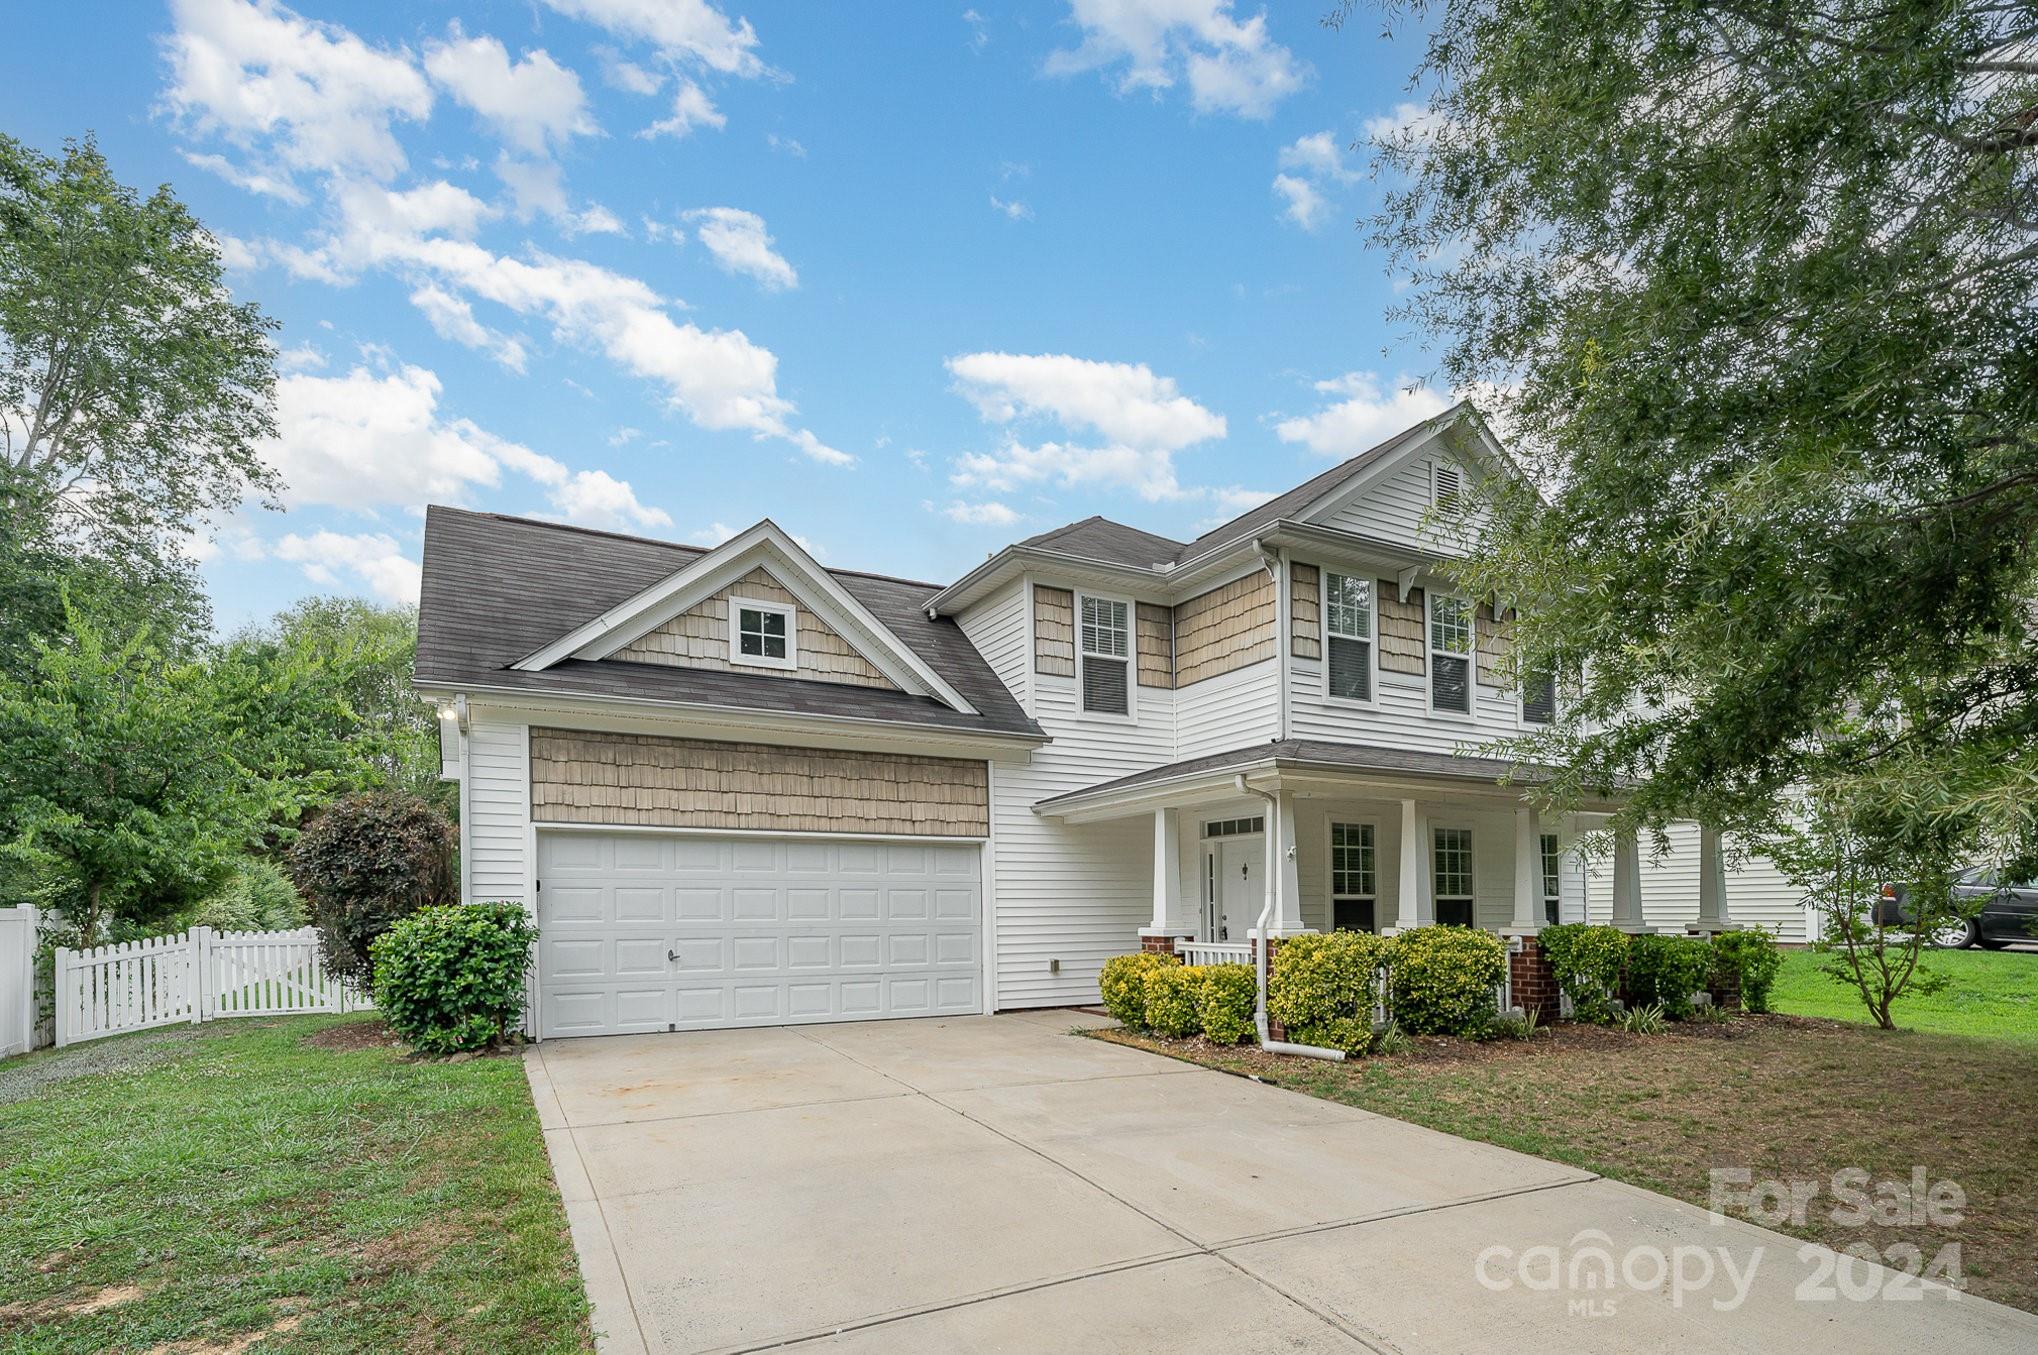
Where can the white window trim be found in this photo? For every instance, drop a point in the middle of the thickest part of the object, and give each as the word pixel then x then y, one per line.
pixel 1323 573
pixel 1471 895
pixel 1545 878
pixel 1131 660
pixel 1430 651
pixel 739 605
pixel 1521 705
pixel 1330 822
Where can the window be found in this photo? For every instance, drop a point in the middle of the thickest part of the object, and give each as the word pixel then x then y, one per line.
pixel 1538 698
pixel 1107 651
pixel 1552 879
pixel 1235 827
pixel 1450 654
pixel 1452 881
pixel 1352 879
pixel 1348 636
pixel 763 634
pixel 1446 486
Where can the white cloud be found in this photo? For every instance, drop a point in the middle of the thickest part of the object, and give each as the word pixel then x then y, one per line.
pixel 1125 402
pixel 1231 66
pixel 302 357
pixel 534 104
pixel 1369 413
pixel 785 144
pixel 979 31
pixel 1017 211
pixel 1306 207
pixel 1319 156
pixel 990 513
pixel 740 244
pixel 627 76
pixel 248 180
pixel 312 94
pixel 595 219
pixel 1407 120
pixel 595 498
pixel 452 318
pixel 691 108
pixel 373 559
pixel 691 30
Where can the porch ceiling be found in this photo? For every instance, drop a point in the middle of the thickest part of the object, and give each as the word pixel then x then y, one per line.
pixel 1304 764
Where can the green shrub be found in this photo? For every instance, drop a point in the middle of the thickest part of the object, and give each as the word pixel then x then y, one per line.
pixel 365 863
pixel 1751 956
pixel 1389 1041
pixel 452 978
pixel 1587 961
pixel 1123 984
pixel 1171 1000
pixel 1646 1020
pixel 1664 971
pixel 1441 979
pixel 1225 1001
pixel 1323 988
pixel 258 897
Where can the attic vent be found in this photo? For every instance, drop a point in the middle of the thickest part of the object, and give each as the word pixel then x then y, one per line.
pixel 1447 486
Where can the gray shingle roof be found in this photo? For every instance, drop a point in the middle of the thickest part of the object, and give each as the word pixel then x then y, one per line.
pixel 1099 538
pixel 497 588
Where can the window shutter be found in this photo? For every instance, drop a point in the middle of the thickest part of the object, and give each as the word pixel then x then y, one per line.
pixel 1449 686
pixel 1104 688
pixel 1351 669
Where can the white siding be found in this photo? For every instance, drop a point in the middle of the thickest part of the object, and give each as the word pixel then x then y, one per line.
pixel 498 797
pixel 1757 892
pixel 998 628
pixel 1392 509
pixel 1238 709
pixel 1400 716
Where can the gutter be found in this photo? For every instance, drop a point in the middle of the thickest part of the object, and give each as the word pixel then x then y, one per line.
pixel 1272 892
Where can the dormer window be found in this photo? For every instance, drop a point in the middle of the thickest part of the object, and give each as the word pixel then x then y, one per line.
pixel 761 635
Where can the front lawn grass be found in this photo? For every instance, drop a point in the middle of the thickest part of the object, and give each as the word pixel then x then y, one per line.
pixel 1991 993
pixel 1787 1099
pixel 198 1188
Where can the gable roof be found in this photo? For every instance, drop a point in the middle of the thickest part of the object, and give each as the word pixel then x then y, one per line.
pixel 1099 538
pixel 497 588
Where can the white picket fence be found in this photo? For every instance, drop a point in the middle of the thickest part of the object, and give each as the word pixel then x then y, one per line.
pixel 19 1030
pixel 199 975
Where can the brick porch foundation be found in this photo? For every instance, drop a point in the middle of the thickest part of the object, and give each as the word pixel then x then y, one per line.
pixel 1532 981
pixel 1157 945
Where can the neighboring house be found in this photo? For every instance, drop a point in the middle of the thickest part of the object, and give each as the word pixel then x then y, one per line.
pixel 739 788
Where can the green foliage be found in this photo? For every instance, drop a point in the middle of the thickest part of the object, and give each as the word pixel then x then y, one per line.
pixel 1323 988
pixel 1171 999
pixel 1664 971
pixel 1441 979
pixel 1750 957
pixel 1226 998
pixel 1759 278
pixel 1123 985
pixel 452 978
pixel 1390 1041
pixel 257 897
pixel 1649 1019
pixel 1513 1026
pixel 365 863
pixel 1587 961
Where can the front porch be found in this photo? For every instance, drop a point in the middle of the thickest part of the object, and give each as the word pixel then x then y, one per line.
pixel 1297 837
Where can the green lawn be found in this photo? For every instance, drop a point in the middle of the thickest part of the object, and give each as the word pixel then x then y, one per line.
pixel 217 1184
pixel 1993 993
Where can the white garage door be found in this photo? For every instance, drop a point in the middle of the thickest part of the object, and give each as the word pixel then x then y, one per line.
pixel 645 931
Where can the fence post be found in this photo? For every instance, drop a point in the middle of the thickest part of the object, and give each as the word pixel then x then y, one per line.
pixel 203 998
pixel 60 972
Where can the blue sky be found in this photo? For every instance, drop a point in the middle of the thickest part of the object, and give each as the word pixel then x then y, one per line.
pixel 913 285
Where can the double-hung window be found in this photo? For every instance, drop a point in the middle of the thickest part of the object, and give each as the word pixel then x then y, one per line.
pixel 1107 656
pixel 761 634
pixel 1348 636
pixel 1452 880
pixel 1450 654
pixel 1353 880
pixel 1552 879
pixel 1538 698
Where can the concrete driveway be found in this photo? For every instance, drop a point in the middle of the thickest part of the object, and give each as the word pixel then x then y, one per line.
pixel 992 1183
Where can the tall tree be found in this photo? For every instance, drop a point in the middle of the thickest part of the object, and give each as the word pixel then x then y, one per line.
pixel 1762 278
pixel 134 390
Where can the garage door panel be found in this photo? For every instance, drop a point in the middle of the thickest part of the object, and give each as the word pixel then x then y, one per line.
pixel 693 932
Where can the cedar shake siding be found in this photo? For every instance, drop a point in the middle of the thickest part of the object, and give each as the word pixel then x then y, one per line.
pixel 1054 631
pixel 1156 646
pixel 640 780
pixel 1495 638
pixel 1227 628
pixel 699 638
pixel 1305 603
pixel 1402 643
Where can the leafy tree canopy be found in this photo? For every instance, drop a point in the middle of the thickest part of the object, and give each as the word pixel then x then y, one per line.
pixel 1760 276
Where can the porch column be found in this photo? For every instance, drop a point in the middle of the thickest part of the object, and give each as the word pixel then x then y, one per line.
pixel 1528 869
pixel 1712 881
pixel 1627 883
pixel 1412 899
pixel 1284 872
pixel 1172 915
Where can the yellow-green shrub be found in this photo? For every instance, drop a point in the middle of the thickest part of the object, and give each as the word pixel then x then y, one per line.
pixel 1171 999
pixel 1123 985
pixel 1322 988
pixel 1441 979
pixel 1225 999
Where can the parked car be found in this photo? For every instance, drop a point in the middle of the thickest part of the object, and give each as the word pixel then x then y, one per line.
pixel 2007 912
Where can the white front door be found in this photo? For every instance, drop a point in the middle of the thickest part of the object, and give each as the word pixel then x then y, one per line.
pixel 1239 862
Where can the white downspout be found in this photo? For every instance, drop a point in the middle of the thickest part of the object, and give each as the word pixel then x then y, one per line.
pixel 1277 570
pixel 1273 885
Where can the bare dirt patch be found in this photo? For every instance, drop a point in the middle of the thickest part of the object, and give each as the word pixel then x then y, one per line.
pixel 77 1305
pixel 354 1035
pixel 230 1345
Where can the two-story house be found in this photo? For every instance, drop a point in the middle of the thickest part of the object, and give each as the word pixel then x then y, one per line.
pixel 738 788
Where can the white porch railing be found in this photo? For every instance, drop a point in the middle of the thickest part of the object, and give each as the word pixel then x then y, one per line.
pixel 1214 952
pixel 195 976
